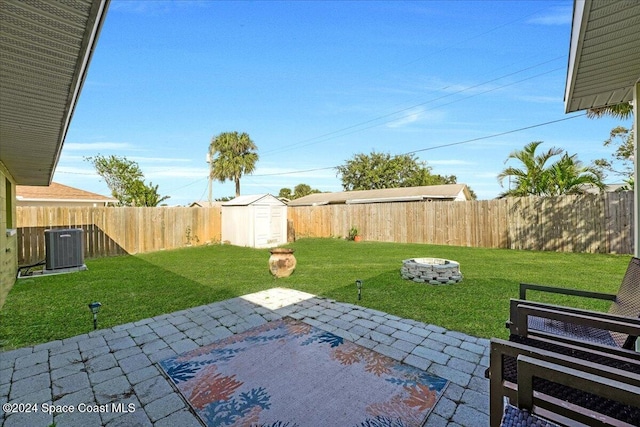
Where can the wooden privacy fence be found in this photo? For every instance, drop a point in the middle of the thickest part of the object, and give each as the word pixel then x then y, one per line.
pixel 600 223
pixel 588 223
pixel 114 231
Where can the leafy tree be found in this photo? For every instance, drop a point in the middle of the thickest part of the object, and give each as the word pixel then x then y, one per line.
pixel 232 154
pixel 126 181
pixel 381 170
pixel 286 193
pixel 619 135
pixel 621 162
pixel 302 190
pixel 535 177
pixel 299 190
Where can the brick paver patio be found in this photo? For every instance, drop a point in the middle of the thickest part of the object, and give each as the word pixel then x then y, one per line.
pixel 110 377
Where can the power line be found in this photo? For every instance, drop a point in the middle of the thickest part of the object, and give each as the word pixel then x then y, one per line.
pixel 295 172
pixel 323 137
pixel 285 148
pixel 495 135
pixel 448 103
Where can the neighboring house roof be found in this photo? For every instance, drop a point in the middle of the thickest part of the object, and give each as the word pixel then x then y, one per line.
pixel 253 199
pixel 608 188
pixel 203 204
pixel 46 49
pixel 59 193
pixel 604 64
pixel 404 194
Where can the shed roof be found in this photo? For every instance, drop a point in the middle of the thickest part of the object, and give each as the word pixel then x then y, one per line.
pixel 604 64
pixel 46 49
pixel 253 199
pixel 58 192
pixel 404 194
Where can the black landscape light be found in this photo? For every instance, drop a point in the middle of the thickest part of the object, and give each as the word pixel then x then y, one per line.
pixel 95 308
pixel 359 285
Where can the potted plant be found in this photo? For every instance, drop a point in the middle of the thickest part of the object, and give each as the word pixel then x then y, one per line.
pixel 353 235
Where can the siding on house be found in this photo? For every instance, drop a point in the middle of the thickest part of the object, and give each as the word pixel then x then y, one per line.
pixel 8 239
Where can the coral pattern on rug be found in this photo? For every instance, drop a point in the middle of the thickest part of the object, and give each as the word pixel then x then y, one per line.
pixel 287 373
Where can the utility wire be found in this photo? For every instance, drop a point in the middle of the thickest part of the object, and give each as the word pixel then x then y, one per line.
pixel 445 49
pixel 495 135
pixel 323 137
pixel 442 105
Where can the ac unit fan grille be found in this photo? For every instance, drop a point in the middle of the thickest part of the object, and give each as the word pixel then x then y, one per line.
pixel 64 248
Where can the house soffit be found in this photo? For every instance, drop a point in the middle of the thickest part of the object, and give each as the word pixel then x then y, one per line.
pixel 45 49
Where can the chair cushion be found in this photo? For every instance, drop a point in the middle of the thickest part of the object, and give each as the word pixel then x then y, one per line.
pixel 627 301
pixel 571 330
pixel 515 417
pixel 611 408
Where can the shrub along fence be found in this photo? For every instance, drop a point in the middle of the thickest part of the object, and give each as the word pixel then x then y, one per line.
pixel 114 231
pixel 601 223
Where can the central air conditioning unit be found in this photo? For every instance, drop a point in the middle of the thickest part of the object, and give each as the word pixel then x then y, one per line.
pixel 64 249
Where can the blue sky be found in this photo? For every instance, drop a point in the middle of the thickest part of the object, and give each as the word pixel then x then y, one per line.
pixel 314 83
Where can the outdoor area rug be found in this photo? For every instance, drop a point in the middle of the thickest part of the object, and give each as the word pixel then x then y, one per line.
pixel 287 373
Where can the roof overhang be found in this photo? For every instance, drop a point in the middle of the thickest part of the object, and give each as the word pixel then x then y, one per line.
pixel 396 199
pixel 604 65
pixel 42 200
pixel 45 50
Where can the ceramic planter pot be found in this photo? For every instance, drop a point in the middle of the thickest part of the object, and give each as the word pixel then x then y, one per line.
pixel 282 262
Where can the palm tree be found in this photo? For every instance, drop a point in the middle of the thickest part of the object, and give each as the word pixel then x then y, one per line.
pixel 569 176
pixel 146 195
pixel 532 178
pixel 233 154
pixel 621 111
pixel 565 176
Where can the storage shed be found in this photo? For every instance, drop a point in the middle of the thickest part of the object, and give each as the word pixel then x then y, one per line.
pixel 257 221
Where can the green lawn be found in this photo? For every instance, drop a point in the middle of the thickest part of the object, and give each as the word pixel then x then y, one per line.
pixel 136 287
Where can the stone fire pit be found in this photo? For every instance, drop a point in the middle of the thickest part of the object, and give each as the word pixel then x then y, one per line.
pixel 434 271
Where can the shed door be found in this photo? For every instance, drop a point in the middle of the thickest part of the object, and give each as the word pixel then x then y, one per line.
pixel 277 233
pixel 261 226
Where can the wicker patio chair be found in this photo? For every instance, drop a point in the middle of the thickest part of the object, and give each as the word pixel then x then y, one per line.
pixel 625 303
pixel 564 384
pixel 596 329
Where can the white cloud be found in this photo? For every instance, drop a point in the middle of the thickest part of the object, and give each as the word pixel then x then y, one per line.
pixel 154 8
pixel 159 159
pixel 451 162
pixel 96 146
pixel 406 120
pixel 155 172
pixel 484 175
pixel 416 115
pixel 280 173
pixel 436 84
pixel 542 99
pixel 73 170
pixel 556 16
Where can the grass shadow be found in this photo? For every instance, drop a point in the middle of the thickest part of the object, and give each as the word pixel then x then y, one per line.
pixel 146 285
pixel 130 288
